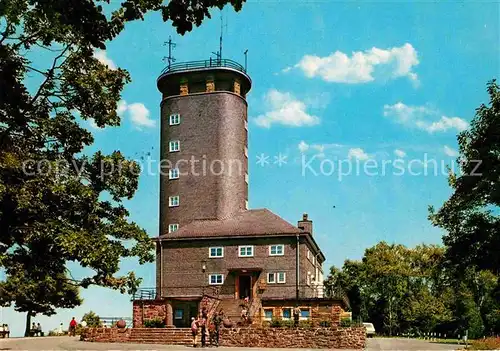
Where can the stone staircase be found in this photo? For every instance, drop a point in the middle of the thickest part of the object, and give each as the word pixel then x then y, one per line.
pixel 170 336
pixel 231 308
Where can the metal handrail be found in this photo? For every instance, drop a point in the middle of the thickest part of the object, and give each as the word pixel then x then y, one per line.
pixel 182 66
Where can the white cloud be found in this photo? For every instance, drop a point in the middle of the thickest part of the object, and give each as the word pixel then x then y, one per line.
pixel 400 153
pixel 423 118
pixel 358 154
pixel 450 152
pixel 93 125
pixel 103 58
pixel 285 110
pixel 361 67
pixel 139 114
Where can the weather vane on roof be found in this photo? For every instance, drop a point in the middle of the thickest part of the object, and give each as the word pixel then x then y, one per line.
pixel 171 46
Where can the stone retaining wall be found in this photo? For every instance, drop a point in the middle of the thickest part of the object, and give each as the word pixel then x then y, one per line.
pixel 315 338
pixel 319 338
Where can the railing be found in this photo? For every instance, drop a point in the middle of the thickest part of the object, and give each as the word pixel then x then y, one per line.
pixel 272 291
pixel 111 321
pixel 182 66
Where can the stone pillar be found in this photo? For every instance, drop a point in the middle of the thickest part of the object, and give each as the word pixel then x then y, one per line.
pixel 170 314
pixel 184 87
pixel 210 85
pixel 237 87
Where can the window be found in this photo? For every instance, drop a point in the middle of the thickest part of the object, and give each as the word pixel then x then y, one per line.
pixel 246 125
pixel 174 145
pixel 268 314
pixel 287 313
pixel 173 173
pixel 246 204
pixel 281 277
pixel 245 251
pixel 308 254
pixel 276 250
pixel 179 314
pixel 271 278
pixel 173 227
pixel 173 201
pixel 314 259
pixel 246 178
pixel 216 252
pixel 175 119
pixel 305 314
pixel 215 279
pixel 246 152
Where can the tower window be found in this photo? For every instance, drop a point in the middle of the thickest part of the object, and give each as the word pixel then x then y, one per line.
pixel 246 152
pixel 246 178
pixel 173 201
pixel 246 125
pixel 246 204
pixel 173 173
pixel 175 119
pixel 173 227
pixel 174 145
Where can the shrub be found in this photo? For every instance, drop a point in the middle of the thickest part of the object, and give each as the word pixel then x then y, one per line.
pixel 305 324
pixel 154 323
pixel 276 323
pixel 325 323
pixel 91 319
pixel 346 323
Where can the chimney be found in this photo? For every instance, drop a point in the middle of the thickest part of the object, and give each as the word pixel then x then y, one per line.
pixel 305 224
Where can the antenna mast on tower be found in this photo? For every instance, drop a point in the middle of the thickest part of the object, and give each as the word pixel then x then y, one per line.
pixel 218 54
pixel 171 46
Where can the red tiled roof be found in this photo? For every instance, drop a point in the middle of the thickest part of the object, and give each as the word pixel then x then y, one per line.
pixel 246 223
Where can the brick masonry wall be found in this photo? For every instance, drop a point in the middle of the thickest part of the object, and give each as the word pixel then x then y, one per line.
pixel 148 309
pixel 182 265
pixel 212 129
pixel 315 338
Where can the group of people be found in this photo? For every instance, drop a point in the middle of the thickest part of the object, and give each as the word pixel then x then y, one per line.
pixel 204 327
pixel 36 329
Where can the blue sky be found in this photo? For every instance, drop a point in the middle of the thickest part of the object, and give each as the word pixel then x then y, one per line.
pixel 333 82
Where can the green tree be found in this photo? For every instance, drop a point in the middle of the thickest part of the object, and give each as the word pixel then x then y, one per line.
pixel 58 203
pixel 470 216
pixel 91 319
pixel 36 291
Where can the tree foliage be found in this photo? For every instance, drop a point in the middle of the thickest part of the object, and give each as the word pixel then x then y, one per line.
pixel 92 319
pixel 471 215
pixel 412 290
pixel 59 204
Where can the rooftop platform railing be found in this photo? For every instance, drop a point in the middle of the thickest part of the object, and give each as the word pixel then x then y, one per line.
pixel 211 63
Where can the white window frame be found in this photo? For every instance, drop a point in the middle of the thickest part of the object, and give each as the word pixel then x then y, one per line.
pixel 173 227
pixel 215 275
pixel 246 152
pixel 305 318
pixel 174 146
pixel 173 173
pixel 245 247
pixel 246 204
pixel 314 260
pixel 172 202
pixel 174 119
pixel 271 275
pixel 282 281
pixel 246 125
pixel 277 254
pixel 268 309
pixel 283 313
pixel 246 178
pixel 216 248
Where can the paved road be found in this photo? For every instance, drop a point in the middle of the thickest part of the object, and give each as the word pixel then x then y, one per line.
pixel 69 343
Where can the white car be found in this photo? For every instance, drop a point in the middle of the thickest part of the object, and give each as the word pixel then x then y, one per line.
pixel 370 329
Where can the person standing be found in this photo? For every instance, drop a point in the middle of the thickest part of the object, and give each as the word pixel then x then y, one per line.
pixel 218 319
pixel 203 325
pixel 296 316
pixel 72 327
pixel 39 329
pixel 194 330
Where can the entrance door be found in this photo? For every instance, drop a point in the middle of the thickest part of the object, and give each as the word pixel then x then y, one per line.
pixel 245 286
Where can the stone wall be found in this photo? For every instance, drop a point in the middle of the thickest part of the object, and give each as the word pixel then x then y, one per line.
pixel 315 338
pixel 148 309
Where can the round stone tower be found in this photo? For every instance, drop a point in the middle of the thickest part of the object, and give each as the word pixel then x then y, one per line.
pixel 204 143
